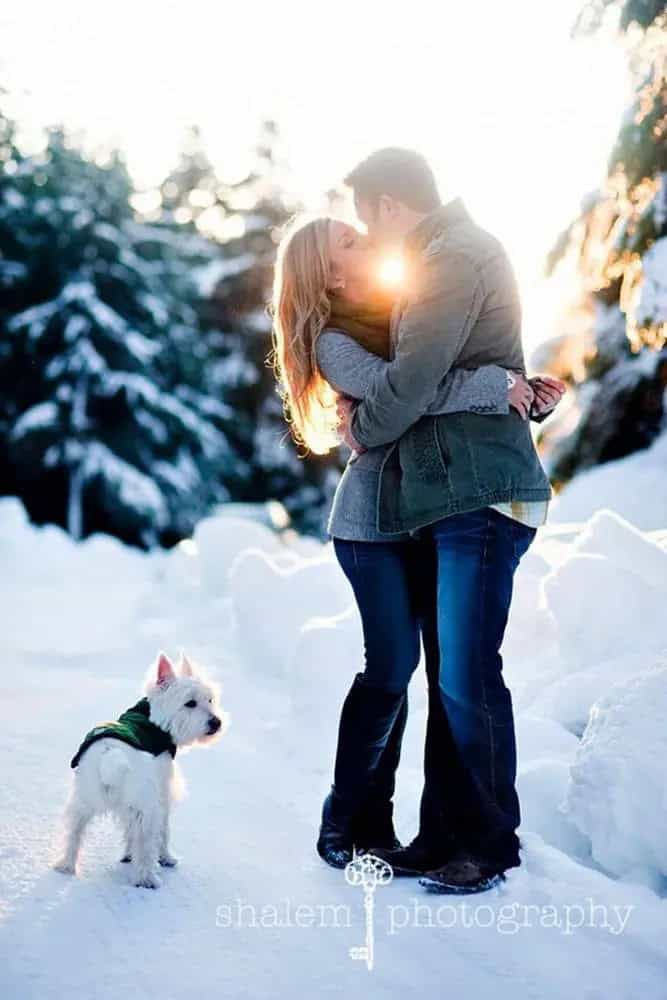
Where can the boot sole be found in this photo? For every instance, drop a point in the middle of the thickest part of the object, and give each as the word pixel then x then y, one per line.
pixel 437 886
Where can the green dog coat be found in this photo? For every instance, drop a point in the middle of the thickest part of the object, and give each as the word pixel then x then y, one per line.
pixel 133 727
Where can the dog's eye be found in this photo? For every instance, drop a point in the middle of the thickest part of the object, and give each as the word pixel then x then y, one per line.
pixel 191 704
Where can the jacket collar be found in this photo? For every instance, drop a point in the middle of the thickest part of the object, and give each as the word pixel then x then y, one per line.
pixel 432 224
pixel 156 738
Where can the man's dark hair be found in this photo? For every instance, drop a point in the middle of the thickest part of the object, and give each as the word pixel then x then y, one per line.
pixel 400 173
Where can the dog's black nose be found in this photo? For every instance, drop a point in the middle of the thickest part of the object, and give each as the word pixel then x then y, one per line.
pixel 214 724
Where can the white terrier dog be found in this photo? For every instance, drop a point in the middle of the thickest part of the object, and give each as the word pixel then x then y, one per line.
pixel 127 768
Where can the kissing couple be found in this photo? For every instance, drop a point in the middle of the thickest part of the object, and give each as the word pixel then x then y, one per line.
pixel 441 497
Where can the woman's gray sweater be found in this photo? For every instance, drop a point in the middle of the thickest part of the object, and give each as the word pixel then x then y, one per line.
pixel 349 368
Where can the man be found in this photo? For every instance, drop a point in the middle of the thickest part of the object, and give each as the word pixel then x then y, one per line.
pixel 471 481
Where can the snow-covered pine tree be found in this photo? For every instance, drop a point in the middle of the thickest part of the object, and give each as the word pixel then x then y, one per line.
pixel 106 424
pixel 617 364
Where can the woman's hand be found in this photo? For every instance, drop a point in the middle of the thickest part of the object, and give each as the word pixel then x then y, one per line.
pixel 521 395
pixel 548 393
pixel 345 411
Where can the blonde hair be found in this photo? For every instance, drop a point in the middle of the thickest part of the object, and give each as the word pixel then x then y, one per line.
pixel 301 309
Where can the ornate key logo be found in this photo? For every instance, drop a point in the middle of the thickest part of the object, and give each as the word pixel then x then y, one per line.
pixel 368 871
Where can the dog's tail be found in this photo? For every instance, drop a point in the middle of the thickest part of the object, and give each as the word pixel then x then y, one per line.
pixel 114 765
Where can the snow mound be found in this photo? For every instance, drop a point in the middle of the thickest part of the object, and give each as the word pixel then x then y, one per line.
pixel 219 539
pixel 57 595
pixel 543 738
pixel 635 487
pixel 616 795
pixel 607 596
pixel 567 699
pixel 622 542
pixel 273 598
pixel 541 786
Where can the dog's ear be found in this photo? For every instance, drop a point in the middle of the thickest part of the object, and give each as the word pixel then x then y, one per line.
pixel 165 670
pixel 186 666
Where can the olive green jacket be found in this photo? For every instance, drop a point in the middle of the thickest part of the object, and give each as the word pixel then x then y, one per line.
pixel 133 727
pixel 462 308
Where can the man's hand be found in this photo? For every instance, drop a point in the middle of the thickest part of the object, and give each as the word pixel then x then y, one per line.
pixel 548 393
pixel 345 409
pixel 521 395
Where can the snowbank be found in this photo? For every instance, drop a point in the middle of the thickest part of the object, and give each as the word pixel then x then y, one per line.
pixel 607 596
pixel 616 794
pixel 274 599
pixel 57 595
pixel 635 487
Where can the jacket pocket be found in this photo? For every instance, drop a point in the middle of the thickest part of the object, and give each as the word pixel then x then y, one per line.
pixel 421 450
pixel 441 446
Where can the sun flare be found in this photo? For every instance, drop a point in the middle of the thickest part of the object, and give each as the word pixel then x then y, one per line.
pixel 391 271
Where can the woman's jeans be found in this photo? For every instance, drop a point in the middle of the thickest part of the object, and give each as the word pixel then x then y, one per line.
pixel 477 554
pixel 386 578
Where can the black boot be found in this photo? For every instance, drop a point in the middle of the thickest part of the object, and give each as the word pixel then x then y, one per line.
pixel 335 844
pixel 375 828
pixel 366 722
pixel 374 825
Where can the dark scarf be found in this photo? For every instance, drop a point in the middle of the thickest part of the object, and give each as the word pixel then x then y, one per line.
pixel 134 727
pixel 368 324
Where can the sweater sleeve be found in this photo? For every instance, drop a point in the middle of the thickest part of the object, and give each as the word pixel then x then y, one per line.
pixel 347 366
pixel 351 370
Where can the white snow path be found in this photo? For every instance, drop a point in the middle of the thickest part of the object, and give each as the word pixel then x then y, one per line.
pixel 246 832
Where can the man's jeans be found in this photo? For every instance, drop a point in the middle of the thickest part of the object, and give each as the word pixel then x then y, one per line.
pixel 477 555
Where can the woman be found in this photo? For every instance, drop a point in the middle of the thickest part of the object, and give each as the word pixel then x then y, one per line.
pixel 331 335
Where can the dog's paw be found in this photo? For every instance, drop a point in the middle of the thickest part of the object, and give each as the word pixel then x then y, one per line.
pixel 148 882
pixel 64 866
pixel 168 860
pixel 125 860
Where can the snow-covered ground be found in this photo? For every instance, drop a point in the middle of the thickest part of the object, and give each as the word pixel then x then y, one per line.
pixel 250 910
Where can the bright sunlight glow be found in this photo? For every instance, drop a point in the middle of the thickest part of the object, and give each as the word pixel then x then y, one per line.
pixel 515 116
pixel 391 271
